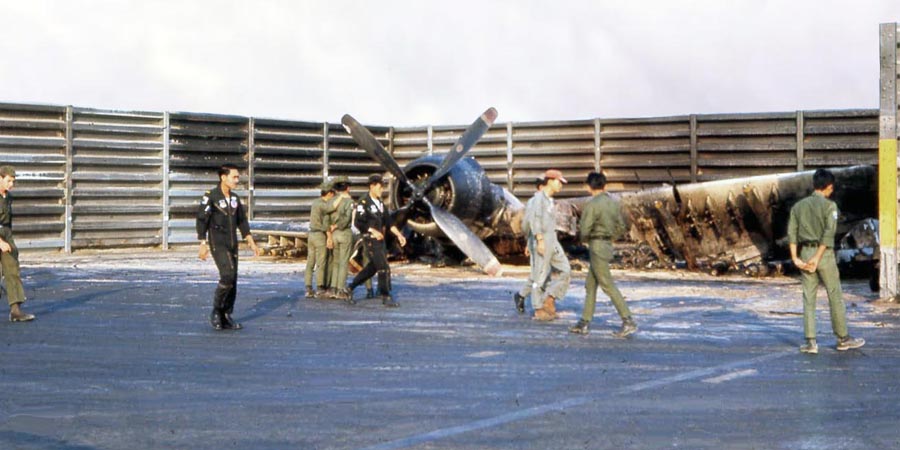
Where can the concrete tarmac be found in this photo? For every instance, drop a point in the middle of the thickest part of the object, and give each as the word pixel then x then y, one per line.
pixel 121 356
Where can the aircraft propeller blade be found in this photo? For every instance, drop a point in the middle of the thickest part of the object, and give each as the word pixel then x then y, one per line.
pixel 465 239
pixel 462 146
pixel 376 151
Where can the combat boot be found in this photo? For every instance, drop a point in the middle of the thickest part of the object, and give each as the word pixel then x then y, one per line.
pixel 550 306
pixel 370 293
pixel 628 328
pixel 388 301
pixel 17 315
pixel 810 347
pixel 847 343
pixel 310 292
pixel 215 319
pixel 347 295
pixel 520 302
pixel 229 324
pixel 582 327
pixel 542 315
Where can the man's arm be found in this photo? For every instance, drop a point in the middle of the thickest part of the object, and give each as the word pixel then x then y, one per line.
pixel 203 214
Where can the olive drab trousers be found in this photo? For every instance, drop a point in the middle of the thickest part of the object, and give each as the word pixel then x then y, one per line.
pixel 827 274
pixel 9 267
pixel 316 259
pixel 601 253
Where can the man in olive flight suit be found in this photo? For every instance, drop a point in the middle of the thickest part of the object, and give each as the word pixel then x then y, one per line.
pixel 601 223
pixel 811 227
pixel 548 252
pixel 317 242
pixel 219 218
pixel 373 221
pixel 342 236
pixel 9 253
pixel 523 293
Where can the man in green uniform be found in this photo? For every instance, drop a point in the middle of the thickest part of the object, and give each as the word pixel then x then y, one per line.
pixel 317 242
pixel 342 236
pixel 9 253
pixel 811 227
pixel 601 223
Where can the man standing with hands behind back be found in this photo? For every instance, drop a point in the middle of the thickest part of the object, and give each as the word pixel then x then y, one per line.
pixel 811 227
pixel 219 218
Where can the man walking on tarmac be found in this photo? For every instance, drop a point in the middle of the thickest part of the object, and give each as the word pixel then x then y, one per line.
pixel 9 253
pixel 523 293
pixel 219 218
pixel 601 223
pixel 549 255
pixel 373 221
pixel 811 227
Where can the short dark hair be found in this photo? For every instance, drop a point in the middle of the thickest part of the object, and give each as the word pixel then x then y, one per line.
pixel 596 180
pixel 341 187
pixel 822 178
pixel 225 169
pixel 540 182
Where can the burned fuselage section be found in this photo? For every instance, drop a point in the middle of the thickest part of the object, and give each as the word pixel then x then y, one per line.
pixel 741 223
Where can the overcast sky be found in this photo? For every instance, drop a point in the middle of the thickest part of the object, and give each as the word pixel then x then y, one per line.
pixel 443 62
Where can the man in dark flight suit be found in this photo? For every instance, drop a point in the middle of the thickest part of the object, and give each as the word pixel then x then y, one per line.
pixel 373 221
pixel 220 217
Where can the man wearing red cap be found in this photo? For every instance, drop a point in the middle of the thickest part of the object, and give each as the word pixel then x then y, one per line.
pixel 549 254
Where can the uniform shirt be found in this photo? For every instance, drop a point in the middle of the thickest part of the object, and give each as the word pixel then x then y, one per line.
pixel 543 221
pixel 342 215
pixel 221 217
pixel 6 210
pixel 813 220
pixel 370 213
pixel 318 215
pixel 601 219
pixel 529 216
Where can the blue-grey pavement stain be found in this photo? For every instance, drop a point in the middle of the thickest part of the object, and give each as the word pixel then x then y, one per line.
pixel 121 356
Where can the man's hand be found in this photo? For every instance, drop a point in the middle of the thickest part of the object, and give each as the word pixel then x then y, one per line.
pixel 329 243
pixel 527 252
pixel 253 245
pixel 376 234
pixel 812 265
pixel 401 239
pixel 204 251
pixel 540 247
pixel 5 247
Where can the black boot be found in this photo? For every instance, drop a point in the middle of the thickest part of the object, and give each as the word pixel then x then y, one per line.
pixel 520 303
pixel 229 324
pixel 582 327
pixel 628 328
pixel 370 293
pixel 388 301
pixel 347 295
pixel 215 319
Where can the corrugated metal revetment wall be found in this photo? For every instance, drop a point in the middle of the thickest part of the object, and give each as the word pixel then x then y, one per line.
pixel 135 177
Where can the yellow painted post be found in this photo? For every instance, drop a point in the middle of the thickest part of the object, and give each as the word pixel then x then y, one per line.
pixel 887 161
pixel 887 192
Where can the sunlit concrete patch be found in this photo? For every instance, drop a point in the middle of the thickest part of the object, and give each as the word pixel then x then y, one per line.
pixel 731 376
pixel 484 354
pixel 676 325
